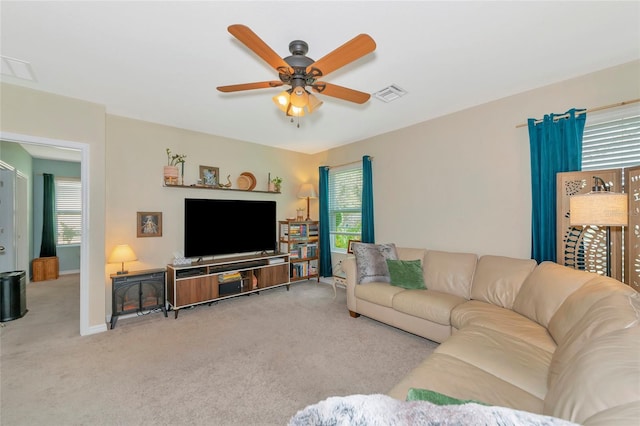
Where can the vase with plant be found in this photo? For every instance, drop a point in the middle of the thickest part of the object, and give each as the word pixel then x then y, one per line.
pixel 277 182
pixel 171 169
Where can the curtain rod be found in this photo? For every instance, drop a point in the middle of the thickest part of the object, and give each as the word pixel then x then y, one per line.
pixel 619 104
pixel 346 164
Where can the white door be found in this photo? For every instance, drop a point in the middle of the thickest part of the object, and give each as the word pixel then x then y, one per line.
pixel 7 226
pixel 22 223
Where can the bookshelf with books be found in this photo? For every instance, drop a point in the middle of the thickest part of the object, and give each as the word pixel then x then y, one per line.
pixel 300 240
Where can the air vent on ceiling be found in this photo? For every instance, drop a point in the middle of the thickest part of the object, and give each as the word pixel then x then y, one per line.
pixel 390 93
pixel 17 68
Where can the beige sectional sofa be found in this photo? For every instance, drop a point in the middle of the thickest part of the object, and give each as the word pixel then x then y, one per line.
pixel 540 338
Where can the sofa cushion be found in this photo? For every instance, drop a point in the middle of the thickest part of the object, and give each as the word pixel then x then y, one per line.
pixel 509 358
pixel 620 415
pixel 371 261
pixel 406 273
pixel 475 312
pixel 449 272
pixel 546 288
pixel 454 377
pixel 427 304
pixel 405 253
pixel 498 279
pixel 378 293
pixel 611 313
pixel 605 373
pixel 576 306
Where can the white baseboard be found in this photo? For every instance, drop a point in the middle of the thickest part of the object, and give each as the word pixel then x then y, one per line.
pixel 101 328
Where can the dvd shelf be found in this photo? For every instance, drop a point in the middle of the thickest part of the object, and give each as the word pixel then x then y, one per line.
pixel 300 240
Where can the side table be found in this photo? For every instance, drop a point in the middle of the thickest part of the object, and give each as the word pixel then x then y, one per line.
pixel 339 278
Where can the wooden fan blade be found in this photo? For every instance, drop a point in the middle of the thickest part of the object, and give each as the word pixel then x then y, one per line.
pixel 354 49
pixel 340 92
pixel 249 86
pixel 259 47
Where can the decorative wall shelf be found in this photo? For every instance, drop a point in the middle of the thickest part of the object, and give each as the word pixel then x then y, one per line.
pixel 219 189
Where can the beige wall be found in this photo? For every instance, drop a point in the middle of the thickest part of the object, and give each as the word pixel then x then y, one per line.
pixel 38 114
pixel 135 156
pixel 462 182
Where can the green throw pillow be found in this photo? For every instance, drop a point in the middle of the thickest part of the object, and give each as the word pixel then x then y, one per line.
pixel 436 398
pixel 406 273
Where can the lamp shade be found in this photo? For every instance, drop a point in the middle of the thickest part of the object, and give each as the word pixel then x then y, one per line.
pixel 307 190
pixel 599 208
pixel 122 253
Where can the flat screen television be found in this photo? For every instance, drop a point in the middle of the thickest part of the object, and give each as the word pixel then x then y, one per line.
pixel 215 227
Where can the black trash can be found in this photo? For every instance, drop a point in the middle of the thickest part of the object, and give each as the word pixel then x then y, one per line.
pixel 13 295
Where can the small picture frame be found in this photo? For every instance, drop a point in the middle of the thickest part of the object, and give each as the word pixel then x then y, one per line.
pixel 350 245
pixel 209 176
pixel 149 224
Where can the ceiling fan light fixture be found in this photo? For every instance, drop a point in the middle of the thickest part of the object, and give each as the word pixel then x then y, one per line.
pixel 282 100
pixel 299 97
pixel 314 103
pixel 294 111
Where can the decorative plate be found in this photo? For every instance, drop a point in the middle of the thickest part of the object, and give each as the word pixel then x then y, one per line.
pixel 252 180
pixel 244 182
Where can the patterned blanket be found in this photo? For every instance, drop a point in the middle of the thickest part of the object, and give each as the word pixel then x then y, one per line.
pixel 382 410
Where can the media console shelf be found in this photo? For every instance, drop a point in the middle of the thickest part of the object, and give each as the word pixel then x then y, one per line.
pixel 208 281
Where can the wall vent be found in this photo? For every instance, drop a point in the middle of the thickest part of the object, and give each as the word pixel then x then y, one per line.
pixel 390 93
pixel 17 68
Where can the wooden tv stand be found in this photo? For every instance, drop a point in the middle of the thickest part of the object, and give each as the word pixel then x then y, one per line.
pixel 208 281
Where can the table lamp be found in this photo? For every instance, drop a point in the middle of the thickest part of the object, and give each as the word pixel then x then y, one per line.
pixel 600 207
pixel 307 191
pixel 120 254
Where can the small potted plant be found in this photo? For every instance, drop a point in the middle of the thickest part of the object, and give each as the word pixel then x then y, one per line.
pixel 171 169
pixel 277 182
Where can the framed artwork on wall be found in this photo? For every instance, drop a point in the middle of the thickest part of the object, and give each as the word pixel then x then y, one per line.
pixel 350 245
pixel 149 224
pixel 209 176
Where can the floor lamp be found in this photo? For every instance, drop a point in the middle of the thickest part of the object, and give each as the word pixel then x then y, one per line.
pixel 307 191
pixel 600 207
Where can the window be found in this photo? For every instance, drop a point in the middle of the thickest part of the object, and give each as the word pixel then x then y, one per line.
pixel 612 140
pixel 68 210
pixel 345 205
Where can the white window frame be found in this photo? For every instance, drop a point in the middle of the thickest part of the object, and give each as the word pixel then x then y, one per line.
pixel 355 209
pixel 71 211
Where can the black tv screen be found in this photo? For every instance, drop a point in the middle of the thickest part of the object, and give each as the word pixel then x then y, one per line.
pixel 213 227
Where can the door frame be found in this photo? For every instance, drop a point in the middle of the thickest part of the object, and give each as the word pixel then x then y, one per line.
pixel 84 148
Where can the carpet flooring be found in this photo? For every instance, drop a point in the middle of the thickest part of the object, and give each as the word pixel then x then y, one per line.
pixel 249 360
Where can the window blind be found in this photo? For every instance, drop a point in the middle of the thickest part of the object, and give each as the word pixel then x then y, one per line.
pixel 68 210
pixel 345 205
pixel 612 143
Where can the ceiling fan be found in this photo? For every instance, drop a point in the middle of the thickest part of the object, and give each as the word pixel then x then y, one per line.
pixel 300 71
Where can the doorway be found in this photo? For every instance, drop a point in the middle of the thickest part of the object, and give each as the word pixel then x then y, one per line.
pixel 83 148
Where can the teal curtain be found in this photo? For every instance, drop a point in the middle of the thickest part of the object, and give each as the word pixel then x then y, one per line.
pixel 48 245
pixel 326 270
pixel 368 232
pixel 556 146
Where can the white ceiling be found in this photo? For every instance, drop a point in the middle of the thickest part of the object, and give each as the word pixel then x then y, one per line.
pixel 161 61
